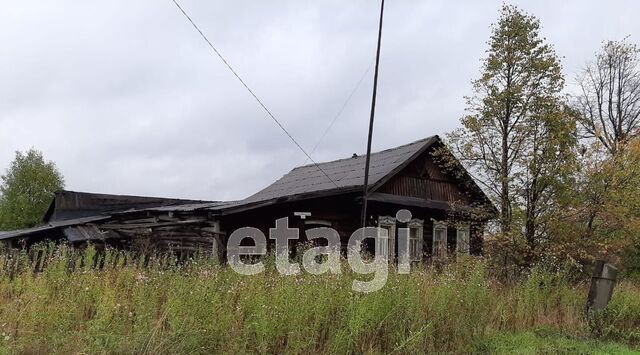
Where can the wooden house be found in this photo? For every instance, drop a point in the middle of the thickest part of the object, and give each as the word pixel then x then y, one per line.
pixel 449 211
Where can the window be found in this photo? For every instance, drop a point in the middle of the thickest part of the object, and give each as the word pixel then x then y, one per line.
pixel 386 239
pixel 439 240
pixel 413 243
pixel 462 239
pixel 415 239
pixel 382 244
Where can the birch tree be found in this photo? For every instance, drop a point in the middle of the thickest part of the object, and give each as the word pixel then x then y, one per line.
pixel 609 100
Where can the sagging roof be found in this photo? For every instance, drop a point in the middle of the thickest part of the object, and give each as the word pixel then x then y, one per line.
pixel 342 174
pixel 70 208
pixel 68 205
pixel 50 226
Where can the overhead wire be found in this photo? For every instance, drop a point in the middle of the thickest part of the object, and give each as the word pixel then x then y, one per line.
pixel 344 105
pixel 264 107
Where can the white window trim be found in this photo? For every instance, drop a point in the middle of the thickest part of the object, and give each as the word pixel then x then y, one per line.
pixel 419 225
pixel 439 225
pixel 462 247
pixel 388 223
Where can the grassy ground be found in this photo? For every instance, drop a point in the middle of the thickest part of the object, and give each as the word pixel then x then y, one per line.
pixel 536 343
pixel 205 308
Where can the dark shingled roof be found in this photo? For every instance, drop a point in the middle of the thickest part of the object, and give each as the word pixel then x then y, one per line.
pixel 304 181
pixel 68 205
pixel 71 208
pixel 346 173
pixel 50 226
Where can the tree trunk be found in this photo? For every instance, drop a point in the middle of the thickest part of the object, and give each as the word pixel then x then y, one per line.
pixel 505 208
pixel 530 222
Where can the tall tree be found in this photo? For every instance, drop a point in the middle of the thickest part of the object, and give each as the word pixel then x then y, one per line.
pixel 608 111
pixel 27 188
pixel 609 102
pixel 517 132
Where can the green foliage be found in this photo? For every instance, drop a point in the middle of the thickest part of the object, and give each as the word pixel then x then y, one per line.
pixel 540 342
pixel 204 307
pixel 631 260
pixel 620 320
pixel 518 136
pixel 26 191
pixel 600 216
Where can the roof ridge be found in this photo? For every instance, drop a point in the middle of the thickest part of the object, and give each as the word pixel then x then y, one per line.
pixel 345 172
pixel 56 193
pixel 360 156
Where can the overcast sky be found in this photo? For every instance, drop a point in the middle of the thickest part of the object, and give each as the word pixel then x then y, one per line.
pixel 126 97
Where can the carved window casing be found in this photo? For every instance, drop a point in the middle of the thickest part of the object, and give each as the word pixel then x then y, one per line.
pixel 463 235
pixel 386 239
pixel 416 229
pixel 439 239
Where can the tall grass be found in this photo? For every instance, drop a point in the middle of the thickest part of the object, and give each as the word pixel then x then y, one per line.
pixel 203 307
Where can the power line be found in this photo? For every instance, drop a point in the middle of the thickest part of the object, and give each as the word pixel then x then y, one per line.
pixel 251 91
pixel 344 105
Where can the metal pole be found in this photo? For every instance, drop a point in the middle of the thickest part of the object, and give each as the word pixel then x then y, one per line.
pixel 365 190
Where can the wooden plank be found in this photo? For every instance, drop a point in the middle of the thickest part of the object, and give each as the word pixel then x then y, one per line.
pixel 140 220
pixel 151 225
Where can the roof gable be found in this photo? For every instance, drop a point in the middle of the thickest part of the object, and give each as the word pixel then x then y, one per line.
pixel 424 178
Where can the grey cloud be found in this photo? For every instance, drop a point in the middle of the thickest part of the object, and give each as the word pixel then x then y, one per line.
pixel 126 97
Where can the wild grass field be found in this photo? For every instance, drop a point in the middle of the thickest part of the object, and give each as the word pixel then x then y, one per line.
pixel 203 307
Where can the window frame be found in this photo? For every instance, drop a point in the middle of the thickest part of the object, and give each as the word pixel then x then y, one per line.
pixel 417 225
pixel 389 224
pixel 463 247
pixel 439 252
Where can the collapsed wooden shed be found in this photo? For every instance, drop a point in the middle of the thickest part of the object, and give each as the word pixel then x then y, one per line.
pixel 131 222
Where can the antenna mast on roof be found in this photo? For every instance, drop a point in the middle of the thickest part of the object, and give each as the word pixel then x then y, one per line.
pixel 365 190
